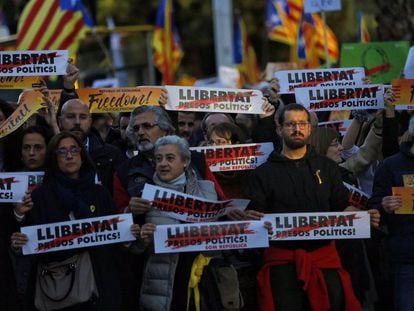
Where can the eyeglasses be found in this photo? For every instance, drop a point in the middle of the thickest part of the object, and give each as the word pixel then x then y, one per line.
pixel 63 152
pixel 146 126
pixel 292 125
pixel 335 144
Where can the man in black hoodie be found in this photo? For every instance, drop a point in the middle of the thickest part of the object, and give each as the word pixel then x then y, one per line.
pixel 299 180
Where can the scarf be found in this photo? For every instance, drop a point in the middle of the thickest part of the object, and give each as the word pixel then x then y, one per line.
pixel 73 193
pixel 186 182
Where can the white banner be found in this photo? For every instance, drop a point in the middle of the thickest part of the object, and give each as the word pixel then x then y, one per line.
pixel 235 157
pixel 291 79
pixel 319 226
pixel 78 233
pixel 210 236
pixel 33 63
pixel 206 99
pixel 189 208
pixel 341 98
pixel 12 187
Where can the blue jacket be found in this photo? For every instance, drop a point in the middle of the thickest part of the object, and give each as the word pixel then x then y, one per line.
pixel 401 227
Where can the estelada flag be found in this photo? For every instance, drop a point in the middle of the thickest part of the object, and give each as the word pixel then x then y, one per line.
pixel 282 20
pixel 166 42
pixel 244 54
pixel 306 44
pixel 53 25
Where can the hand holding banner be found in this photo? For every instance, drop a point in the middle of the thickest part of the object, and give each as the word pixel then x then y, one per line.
pixel 319 226
pixel 78 233
pixel 289 80
pixel 235 157
pixel 210 236
pixel 341 98
pixel 204 99
pixel 12 187
pixel 33 63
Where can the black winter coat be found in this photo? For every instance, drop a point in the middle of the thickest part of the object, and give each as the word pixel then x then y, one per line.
pixel 310 184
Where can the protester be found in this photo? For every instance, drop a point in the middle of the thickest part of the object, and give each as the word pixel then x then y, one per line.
pixel 397 171
pixel 185 124
pixel 352 252
pixel 69 192
pixel 225 134
pixel 33 154
pixel 103 122
pixel 33 147
pixel 210 119
pixel 146 125
pixel 73 115
pixel 123 143
pixel 326 142
pixel 166 276
pixel 299 180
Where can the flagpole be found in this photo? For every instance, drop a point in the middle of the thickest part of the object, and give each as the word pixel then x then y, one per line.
pixel 325 37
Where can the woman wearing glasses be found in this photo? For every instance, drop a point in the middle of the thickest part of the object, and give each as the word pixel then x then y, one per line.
pixel 69 192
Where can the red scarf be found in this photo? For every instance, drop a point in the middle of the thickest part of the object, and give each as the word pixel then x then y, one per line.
pixel 308 269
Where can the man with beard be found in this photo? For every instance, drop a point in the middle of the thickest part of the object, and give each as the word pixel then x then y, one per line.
pixel 75 117
pixel 299 275
pixel 146 125
pixel 185 123
pixel 124 143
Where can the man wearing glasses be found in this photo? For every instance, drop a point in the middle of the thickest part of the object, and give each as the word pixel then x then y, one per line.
pixel 302 274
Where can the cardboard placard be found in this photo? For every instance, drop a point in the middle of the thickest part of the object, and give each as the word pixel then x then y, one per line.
pixel 319 226
pixel 189 208
pixel 383 61
pixel 341 98
pixel 210 236
pixel 205 99
pixel 235 157
pixel 33 63
pixel 78 233
pixel 291 79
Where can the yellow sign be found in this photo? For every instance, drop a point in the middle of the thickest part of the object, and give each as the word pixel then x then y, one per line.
pixel 404 91
pixel 98 101
pixel 123 99
pixel 23 112
pixel 19 82
pixel 407 197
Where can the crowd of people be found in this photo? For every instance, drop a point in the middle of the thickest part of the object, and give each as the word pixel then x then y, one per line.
pixel 98 164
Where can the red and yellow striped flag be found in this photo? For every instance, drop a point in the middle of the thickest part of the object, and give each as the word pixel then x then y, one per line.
pixel 166 42
pixel 53 25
